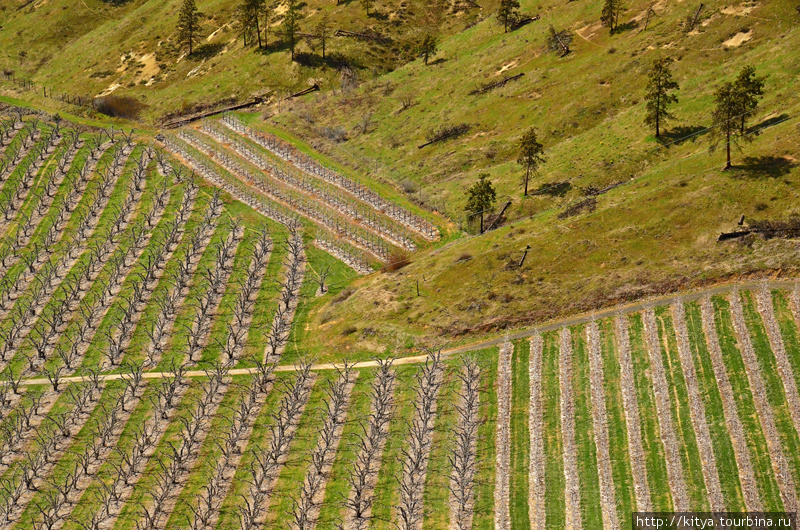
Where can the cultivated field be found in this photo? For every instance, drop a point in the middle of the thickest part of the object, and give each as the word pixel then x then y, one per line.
pixel 151 376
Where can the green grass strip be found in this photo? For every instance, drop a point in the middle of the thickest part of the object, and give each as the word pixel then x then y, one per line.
pixel 789 330
pixel 651 436
pixel 520 434
pixel 555 506
pixel 715 414
pixel 293 473
pixel 437 484
pixel 386 493
pixel 486 452
pixel 584 429
pixel 332 511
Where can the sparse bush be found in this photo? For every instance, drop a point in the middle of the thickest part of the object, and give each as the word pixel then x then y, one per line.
pixel 336 134
pixel 344 295
pixel 397 260
pixel 349 330
pixel 464 257
pixel 119 106
pixel 447 132
pixel 409 186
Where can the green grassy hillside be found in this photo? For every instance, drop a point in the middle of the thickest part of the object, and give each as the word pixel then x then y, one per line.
pixel 96 47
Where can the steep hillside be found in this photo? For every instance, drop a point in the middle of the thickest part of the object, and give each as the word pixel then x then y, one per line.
pixel 97 47
pixel 655 232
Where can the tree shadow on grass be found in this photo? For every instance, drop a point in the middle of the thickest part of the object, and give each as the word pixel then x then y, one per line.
pixel 767 123
pixel 626 26
pixel 378 15
pixel 440 60
pixel 553 189
pixel 764 167
pixel 206 51
pixel 331 60
pixel 683 133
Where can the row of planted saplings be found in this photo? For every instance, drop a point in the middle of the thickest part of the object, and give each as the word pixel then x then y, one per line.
pixel 334 199
pixel 308 164
pixel 24 303
pixel 298 202
pixel 79 281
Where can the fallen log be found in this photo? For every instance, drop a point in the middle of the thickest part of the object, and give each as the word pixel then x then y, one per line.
pixel 363 36
pixel 497 84
pixel 768 233
pixel 309 90
pixel 199 116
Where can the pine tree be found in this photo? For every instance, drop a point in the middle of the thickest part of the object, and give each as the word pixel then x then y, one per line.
pixel 480 198
pixel 323 30
pixel 428 47
pixel 508 13
pixel 658 94
pixel 188 22
pixel 610 14
pixel 291 24
pixel 725 119
pixel 256 7
pixel 367 5
pixel 269 17
pixel 531 156
pixel 249 20
pixel 749 88
pixel 559 41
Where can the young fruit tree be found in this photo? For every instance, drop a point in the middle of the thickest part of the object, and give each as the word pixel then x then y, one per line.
pixel 749 88
pixel 508 13
pixel 610 14
pixel 531 156
pixel 480 198
pixel 658 94
pixel 188 22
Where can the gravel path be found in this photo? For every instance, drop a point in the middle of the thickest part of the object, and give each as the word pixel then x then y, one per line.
pixel 536 501
pixel 502 514
pixel 572 489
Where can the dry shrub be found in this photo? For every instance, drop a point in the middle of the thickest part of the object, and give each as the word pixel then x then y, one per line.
pixel 349 330
pixel 464 257
pixel 397 260
pixel 344 295
pixel 119 106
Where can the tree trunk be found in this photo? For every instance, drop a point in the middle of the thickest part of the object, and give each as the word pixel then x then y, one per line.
pixel 527 178
pixel 481 222
pixel 258 32
pixel 728 146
